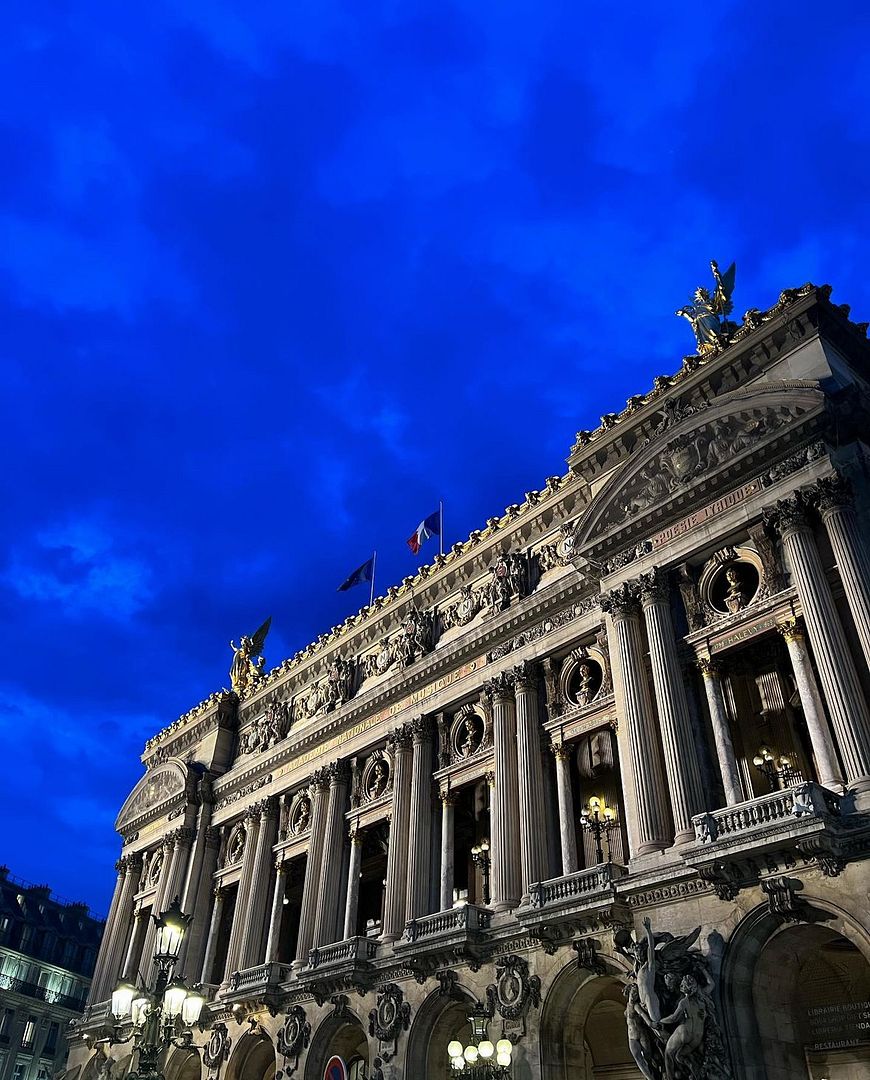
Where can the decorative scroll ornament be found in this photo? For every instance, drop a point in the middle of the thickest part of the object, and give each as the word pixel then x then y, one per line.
pixel 248 661
pixel 391 1016
pixel 670 1014
pixel 706 313
pixel 217 1049
pixel 463 611
pixel 514 989
pixel 293 1038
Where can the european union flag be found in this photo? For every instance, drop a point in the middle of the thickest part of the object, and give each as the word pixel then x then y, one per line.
pixel 361 574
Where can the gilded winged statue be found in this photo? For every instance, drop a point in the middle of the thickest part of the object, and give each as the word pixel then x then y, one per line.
pixel 707 313
pixel 247 666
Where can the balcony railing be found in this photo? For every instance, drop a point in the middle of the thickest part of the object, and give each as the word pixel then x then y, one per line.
pixel 591 884
pixel 343 952
pixel 261 977
pixel 806 800
pixel 42 993
pixel 467 917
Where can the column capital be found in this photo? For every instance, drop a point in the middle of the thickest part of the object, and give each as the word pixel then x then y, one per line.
pixel 622 602
pixel 708 667
pixel 448 798
pixel 490 777
pixel 401 738
pixel 281 867
pixel 319 781
pixel 560 751
pixel 788 515
pixel 791 630
pixel 832 493
pixel 218 893
pixel 421 729
pixel 500 687
pixel 525 676
pixel 213 836
pixel 339 772
pixel 654 586
pixel 354 833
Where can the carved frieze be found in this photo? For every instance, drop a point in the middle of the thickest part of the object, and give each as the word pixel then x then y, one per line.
pixel 509 580
pixel 268 729
pixel 293 1038
pixel 514 991
pixel 390 1017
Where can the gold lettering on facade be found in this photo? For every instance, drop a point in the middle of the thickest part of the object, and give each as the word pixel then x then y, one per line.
pixel 704 514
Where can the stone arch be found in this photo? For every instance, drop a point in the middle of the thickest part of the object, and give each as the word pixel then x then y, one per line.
pixel 343 1033
pixel 182 1065
pixel 437 1021
pixel 252 1059
pixel 582 1032
pixel 763 940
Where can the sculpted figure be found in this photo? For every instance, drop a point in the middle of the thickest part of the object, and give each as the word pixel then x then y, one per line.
pixel 246 669
pixel 690 1017
pixel 736 598
pixel 586 687
pixel 378 782
pixel 706 313
pixel 638 1026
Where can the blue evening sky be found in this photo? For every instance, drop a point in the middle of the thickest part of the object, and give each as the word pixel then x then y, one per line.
pixel 276 277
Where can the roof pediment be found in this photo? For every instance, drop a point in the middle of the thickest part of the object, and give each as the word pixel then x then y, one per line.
pixel 700 449
pixel 159 788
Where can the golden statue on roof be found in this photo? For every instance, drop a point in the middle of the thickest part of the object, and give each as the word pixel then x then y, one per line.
pixel 707 312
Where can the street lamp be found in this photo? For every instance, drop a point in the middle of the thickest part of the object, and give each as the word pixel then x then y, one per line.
pixel 161 1016
pixel 480 1059
pixel 480 857
pixel 599 819
pixel 772 769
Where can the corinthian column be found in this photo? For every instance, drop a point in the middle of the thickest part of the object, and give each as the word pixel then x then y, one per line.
pixel 277 917
pixel 313 867
pixel 833 495
pixel 351 905
pixel 326 922
pixel 249 860
pixel 448 804
pixel 567 828
pixel 251 951
pixel 117 938
pixel 158 903
pixel 212 940
pixel 196 939
pixel 842 688
pixel 721 731
pixel 530 779
pixel 506 874
pixel 397 853
pixel 681 757
pixel 419 854
pixel 647 817
pixel 824 753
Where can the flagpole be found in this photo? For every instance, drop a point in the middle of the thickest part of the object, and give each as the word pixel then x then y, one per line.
pixel 374 563
pixel 441 534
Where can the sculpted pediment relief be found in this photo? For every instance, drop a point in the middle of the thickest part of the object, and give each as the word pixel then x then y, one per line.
pixel 696 446
pixel 159 785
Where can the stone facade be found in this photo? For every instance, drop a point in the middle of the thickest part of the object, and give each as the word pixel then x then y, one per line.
pixel 646 686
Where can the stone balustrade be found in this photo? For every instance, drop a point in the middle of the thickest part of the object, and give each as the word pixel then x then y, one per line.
pixel 593 883
pixel 805 800
pixel 348 951
pixel 459 919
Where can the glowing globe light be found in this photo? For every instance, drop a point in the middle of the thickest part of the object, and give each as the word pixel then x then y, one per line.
pixel 485 1049
pixel 503 1059
pixel 454 1049
pixel 504 1046
pixel 470 1054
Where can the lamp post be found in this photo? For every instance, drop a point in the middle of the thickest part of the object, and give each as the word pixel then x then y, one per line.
pixel 772 769
pixel 480 857
pixel 480 1059
pixel 599 818
pixel 161 1016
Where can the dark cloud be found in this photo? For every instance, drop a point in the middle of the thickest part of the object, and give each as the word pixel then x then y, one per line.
pixel 272 284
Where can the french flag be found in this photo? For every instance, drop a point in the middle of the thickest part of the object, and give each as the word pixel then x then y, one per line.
pixel 428 527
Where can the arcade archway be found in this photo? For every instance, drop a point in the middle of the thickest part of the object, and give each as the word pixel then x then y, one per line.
pixel 183 1065
pixel 583 1033
pixel 798 997
pixel 437 1022
pixel 252 1059
pixel 340 1034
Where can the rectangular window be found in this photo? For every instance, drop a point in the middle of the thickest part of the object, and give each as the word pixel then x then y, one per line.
pixel 27 1039
pixel 6 1018
pixel 50 1048
pixel 20 1070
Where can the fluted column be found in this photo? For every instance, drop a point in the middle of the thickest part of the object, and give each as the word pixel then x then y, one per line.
pixel 158 903
pixel 567 827
pixel 420 830
pixel 251 950
pixel 397 854
pixel 201 904
pixel 505 845
pixel 833 496
pixel 326 921
pixel 141 921
pixel 448 804
pixel 530 778
pixel 830 773
pixel 249 859
pixel 277 916
pixel 212 940
pixel 351 904
pixel 313 866
pixel 721 731
pixel 842 688
pixel 649 811
pixel 116 942
pixel 681 755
